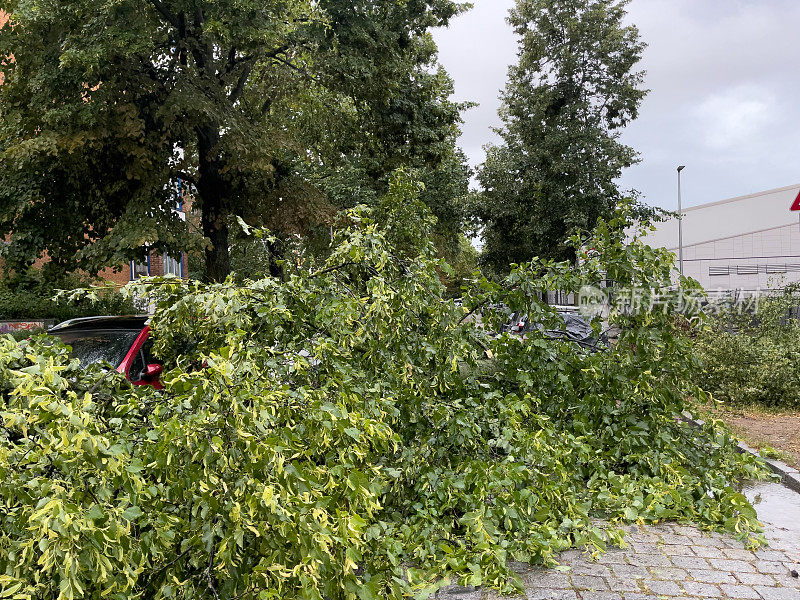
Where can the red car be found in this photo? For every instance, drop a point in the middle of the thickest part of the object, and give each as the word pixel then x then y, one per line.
pixel 121 341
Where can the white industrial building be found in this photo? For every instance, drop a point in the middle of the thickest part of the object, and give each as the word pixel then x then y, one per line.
pixel 750 243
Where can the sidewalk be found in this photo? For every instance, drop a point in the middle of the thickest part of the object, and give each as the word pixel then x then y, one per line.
pixel 667 561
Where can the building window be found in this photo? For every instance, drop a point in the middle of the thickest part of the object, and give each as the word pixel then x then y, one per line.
pixel 777 269
pixel 747 269
pixel 173 266
pixel 716 271
pixel 140 269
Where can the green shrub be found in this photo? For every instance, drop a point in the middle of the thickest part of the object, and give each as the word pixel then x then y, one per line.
pixel 339 435
pixel 30 297
pixel 753 357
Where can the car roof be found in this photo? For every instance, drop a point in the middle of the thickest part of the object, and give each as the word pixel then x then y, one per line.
pixel 104 322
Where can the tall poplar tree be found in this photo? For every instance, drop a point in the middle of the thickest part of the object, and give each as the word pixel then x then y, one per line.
pixel 573 90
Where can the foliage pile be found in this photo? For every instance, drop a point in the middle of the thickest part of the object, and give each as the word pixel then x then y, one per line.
pixel 346 433
pixel 754 356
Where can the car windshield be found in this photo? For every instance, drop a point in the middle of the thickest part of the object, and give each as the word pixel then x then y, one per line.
pixel 93 346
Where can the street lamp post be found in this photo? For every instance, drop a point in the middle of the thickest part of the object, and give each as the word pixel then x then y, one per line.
pixel 680 222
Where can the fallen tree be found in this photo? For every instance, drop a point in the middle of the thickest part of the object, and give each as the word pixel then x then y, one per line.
pixel 349 434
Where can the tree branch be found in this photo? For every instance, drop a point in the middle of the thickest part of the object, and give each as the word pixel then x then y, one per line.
pixel 170 18
pixel 250 62
pixel 297 69
pixel 237 91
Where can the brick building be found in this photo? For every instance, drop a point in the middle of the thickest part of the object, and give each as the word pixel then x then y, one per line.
pixel 156 265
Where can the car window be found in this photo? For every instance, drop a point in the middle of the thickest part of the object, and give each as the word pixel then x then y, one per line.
pixel 93 346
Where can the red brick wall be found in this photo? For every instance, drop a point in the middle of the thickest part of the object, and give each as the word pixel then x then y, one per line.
pixel 3 21
pixel 118 278
pixel 122 275
pixel 156 265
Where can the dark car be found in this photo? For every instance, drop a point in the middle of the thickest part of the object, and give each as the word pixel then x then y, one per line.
pixel 575 329
pixel 124 342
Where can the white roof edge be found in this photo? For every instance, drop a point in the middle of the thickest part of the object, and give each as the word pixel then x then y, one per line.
pixel 740 198
pixel 730 237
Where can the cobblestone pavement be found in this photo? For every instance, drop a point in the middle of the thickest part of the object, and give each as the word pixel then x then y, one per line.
pixel 665 562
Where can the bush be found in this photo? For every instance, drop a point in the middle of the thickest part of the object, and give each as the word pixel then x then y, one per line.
pixel 30 297
pixel 754 357
pixel 347 433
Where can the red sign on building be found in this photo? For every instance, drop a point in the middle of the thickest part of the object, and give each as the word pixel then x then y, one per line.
pixel 796 205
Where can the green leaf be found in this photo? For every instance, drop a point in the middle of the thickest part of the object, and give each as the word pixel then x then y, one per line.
pixel 132 513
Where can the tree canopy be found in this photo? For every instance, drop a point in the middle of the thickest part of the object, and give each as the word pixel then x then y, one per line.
pixel 573 90
pixel 275 111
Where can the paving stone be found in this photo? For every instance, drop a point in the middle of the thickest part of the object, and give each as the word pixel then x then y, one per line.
pixel 457 592
pixel 711 576
pixel 669 573
pixel 678 540
pixel 738 553
pixel 732 542
pixel 650 560
pixel 734 566
pixel 767 566
pixel 542 578
pixel 708 551
pixel 570 556
pixel 600 596
pixel 545 594
pixel 613 557
pixel 624 585
pixel 788 581
pixel 633 540
pixel 630 572
pixel 755 579
pixel 793 561
pixel 686 530
pixel 701 590
pixel 770 554
pixel 778 593
pixel 589 582
pixel 740 591
pixel 676 550
pixel 590 569
pixel 664 588
pixel 646 547
pixel 668 561
pixel 690 562
pixel 708 541
pixel 519 567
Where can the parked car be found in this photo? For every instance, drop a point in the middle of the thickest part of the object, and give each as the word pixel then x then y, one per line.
pixel 575 329
pixel 124 342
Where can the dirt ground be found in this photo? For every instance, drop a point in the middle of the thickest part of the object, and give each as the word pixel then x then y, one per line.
pixel 760 428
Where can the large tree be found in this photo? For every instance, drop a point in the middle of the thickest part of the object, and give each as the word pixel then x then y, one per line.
pixel 112 109
pixel 574 89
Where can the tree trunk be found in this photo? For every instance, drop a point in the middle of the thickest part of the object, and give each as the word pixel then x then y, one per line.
pixel 212 188
pixel 275 256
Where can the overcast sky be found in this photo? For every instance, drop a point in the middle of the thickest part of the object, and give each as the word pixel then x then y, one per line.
pixel 724 77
